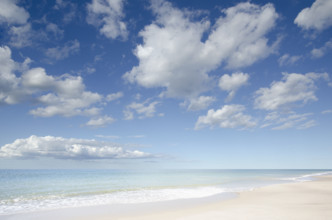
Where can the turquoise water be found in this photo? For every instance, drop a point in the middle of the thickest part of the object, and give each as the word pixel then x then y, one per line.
pixel 35 190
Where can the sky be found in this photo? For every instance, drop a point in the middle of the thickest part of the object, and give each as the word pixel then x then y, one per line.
pixel 190 84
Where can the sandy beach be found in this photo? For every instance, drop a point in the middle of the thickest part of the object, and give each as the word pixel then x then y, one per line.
pixel 293 201
pixel 303 200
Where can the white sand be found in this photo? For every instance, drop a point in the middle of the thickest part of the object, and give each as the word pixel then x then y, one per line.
pixel 302 201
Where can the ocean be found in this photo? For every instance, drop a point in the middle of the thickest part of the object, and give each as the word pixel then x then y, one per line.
pixel 26 191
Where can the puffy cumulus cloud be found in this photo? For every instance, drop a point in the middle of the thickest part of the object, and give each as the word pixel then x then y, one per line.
pixel 293 88
pixel 143 110
pixel 281 121
pixel 169 56
pixel 202 102
pixel 67 97
pixel 287 59
pixel 320 52
pixel 63 95
pixel 19 29
pixel 20 32
pixel 231 83
pixel 229 116
pixel 318 16
pixel 11 13
pixel 239 38
pixel 173 55
pixel 63 148
pixel 108 15
pixel 114 96
pixel 100 121
pixel 59 53
pixel 10 92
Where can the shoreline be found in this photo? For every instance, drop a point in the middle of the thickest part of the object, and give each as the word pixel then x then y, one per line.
pixel 309 200
pixel 298 200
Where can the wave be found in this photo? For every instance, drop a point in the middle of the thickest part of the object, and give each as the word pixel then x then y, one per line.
pixel 307 177
pixel 20 205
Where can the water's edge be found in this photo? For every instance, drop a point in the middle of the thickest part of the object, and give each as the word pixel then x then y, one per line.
pixel 231 182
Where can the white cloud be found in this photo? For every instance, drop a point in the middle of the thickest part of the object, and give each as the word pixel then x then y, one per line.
pixel 329 111
pixel 63 148
pixel 128 114
pixel 173 56
pixel 229 116
pixel 231 83
pixel 68 107
pixel 202 102
pixel 307 124
pixel 108 15
pixel 10 93
pixel 55 30
pixel 63 95
pixel 294 88
pixel 21 36
pixel 19 29
pixel 67 97
pixel 287 59
pixel 281 121
pixel 143 110
pixel 114 96
pixel 11 13
pixel 318 16
pixel 137 136
pixel 100 121
pixel 60 4
pixel 60 53
pixel 108 136
pixel 319 52
pixel 241 34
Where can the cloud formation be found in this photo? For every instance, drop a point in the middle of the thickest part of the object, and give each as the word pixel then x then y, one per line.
pixel 21 36
pixel 9 83
pixel 281 121
pixel 63 95
pixel 143 110
pixel 67 97
pixel 56 32
pixel 287 59
pixel 202 102
pixel 11 13
pixel 68 7
pixel 228 116
pixel 231 83
pixel 19 29
pixel 173 55
pixel 318 16
pixel 320 52
pixel 101 121
pixel 59 53
pixel 114 96
pixel 107 15
pixel 293 88
pixel 63 148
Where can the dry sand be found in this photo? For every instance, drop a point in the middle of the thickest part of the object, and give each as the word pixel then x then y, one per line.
pixel 294 201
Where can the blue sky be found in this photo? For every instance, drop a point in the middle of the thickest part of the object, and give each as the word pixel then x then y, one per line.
pixel 165 84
